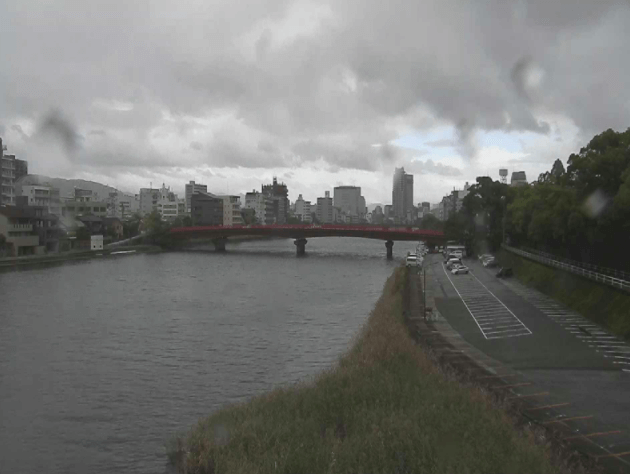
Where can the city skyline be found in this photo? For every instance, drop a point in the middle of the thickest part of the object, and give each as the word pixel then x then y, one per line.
pixel 309 92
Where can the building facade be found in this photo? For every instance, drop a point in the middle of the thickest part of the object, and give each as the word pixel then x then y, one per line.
pixel 402 195
pixel 28 230
pixel 206 209
pixel 349 202
pixel 148 200
pixel 192 188
pixel 303 210
pixel 518 178
pixel 278 192
pixel 325 209
pixel 263 206
pixel 42 195
pixel 11 170
pixel 232 210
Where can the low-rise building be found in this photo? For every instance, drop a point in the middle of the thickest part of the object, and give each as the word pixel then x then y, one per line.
pixel 114 227
pixel 206 209
pixel 83 208
pixel 518 178
pixel 263 206
pixel 232 210
pixel 190 189
pixel 43 195
pixel 19 228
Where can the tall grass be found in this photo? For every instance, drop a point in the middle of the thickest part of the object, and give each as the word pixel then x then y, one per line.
pixel 604 305
pixel 384 408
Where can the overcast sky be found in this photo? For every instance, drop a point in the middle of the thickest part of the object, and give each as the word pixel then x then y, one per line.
pixel 318 93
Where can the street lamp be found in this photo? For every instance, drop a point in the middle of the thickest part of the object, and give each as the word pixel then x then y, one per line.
pixel 504 207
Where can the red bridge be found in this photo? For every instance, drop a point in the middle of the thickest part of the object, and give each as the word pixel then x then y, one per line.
pixel 300 232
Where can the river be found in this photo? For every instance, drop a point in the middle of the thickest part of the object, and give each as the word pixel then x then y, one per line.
pixel 101 361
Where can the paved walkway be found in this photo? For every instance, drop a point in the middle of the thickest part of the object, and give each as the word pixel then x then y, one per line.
pixel 560 368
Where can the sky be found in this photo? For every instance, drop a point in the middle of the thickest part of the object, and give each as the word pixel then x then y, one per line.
pixel 318 94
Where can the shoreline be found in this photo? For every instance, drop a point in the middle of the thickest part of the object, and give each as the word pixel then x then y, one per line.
pixel 385 406
pixel 12 263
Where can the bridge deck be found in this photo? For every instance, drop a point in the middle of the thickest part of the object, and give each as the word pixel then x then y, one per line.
pixel 299 231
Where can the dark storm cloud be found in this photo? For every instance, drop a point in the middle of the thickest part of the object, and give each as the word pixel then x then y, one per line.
pixel 307 81
pixel 17 128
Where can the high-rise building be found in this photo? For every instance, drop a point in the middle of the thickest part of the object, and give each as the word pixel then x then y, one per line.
pixel 11 169
pixel 325 212
pixel 349 201
pixel 192 188
pixel 279 193
pixel 402 195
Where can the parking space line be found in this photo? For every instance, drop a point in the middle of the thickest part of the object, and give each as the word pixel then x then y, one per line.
pixel 562 420
pixel 460 296
pixel 548 406
pixel 592 435
pixel 490 314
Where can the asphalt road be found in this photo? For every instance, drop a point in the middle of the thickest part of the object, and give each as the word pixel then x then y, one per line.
pixel 586 368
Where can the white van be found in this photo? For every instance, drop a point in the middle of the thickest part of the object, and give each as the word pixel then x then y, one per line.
pixel 412 261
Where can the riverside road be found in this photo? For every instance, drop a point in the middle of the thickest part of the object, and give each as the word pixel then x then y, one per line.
pixel 584 369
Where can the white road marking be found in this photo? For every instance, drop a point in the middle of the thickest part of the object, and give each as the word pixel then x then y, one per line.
pixel 493 318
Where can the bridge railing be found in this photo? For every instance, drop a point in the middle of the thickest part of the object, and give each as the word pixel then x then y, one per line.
pixel 591 275
pixel 323 227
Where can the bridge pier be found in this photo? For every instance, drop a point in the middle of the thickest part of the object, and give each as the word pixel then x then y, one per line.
pixel 390 246
pixel 300 247
pixel 219 244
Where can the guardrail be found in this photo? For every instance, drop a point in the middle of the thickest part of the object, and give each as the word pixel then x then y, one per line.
pixel 589 266
pixel 598 277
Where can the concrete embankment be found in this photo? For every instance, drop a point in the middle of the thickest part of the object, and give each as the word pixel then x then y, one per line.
pixel 35 260
pixel 384 407
pixel 602 304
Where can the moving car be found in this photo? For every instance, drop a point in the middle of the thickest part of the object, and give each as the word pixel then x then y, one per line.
pixel 452 262
pixel 459 270
pixel 485 256
pixel 412 261
pixel 489 262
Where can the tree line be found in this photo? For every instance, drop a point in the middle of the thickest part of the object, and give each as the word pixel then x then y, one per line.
pixel 580 212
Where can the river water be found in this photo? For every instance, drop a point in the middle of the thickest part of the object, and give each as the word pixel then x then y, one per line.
pixel 102 361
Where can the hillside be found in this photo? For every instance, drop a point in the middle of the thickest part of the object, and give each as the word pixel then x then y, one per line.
pixel 66 186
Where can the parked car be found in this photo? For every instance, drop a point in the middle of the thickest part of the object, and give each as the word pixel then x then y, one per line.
pixel 458 270
pixel 504 273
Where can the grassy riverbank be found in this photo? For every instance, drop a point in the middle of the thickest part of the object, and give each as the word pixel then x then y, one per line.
pixel 599 303
pixel 385 407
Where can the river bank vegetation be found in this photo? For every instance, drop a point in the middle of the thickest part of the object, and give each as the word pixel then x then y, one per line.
pixel 384 407
pixel 581 212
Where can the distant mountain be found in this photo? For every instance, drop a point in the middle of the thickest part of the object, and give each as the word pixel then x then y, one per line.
pixel 66 186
